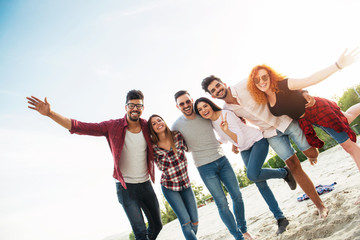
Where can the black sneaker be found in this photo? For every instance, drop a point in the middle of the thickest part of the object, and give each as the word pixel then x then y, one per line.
pixel 282 224
pixel 290 179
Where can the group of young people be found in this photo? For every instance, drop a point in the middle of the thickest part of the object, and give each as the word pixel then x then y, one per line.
pixel 279 108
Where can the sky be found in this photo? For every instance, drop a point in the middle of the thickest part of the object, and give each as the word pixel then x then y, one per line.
pixel 84 56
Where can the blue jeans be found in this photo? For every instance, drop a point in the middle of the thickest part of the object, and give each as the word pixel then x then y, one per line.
pixel 281 142
pixel 137 197
pixel 184 205
pixel 254 159
pixel 339 137
pixel 212 175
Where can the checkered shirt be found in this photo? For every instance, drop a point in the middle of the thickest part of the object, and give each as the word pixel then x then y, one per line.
pixel 325 113
pixel 174 168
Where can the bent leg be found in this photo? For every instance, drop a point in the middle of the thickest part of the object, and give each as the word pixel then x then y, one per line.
pixel 352 113
pixel 254 159
pixel 306 184
pixel 353 149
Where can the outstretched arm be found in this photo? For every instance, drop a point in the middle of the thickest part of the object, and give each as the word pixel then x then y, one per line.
pixel 44 109
pixel 345 59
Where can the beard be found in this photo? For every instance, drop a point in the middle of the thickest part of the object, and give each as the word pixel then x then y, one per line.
pixel 188 114
pixel 134 119
pixel 225 94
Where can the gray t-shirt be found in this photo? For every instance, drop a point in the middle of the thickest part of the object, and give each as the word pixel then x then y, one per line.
pixel 200 139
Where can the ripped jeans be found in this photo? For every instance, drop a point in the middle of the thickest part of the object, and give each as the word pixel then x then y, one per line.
pixel 184 205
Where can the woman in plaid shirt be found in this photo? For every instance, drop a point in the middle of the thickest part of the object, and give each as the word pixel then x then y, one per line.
pixel 284 97
pixel 169 156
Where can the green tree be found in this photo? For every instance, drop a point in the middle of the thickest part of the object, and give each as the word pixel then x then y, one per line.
pixel 348 99
pixel 200 196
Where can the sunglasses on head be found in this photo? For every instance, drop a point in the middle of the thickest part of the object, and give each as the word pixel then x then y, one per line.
pixel 183 103
pixel 263 77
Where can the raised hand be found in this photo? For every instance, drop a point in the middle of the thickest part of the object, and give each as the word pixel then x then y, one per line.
pixel 38 105
pixel 347 59
pixel 224 124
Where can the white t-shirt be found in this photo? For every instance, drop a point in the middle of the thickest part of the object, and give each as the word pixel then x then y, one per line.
pixel 133 160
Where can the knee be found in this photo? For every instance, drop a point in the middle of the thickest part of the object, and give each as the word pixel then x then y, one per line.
pixel 294 165
pixel 252 176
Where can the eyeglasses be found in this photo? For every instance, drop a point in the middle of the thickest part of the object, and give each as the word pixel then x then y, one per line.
pixel 263 77
pixel 183 103
pixel 133 105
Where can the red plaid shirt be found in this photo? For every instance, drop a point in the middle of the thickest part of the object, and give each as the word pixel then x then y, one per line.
pixel 175 174
pixel 114 131
pixel 325 113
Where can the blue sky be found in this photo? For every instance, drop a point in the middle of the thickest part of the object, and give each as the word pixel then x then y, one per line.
pixel 86 55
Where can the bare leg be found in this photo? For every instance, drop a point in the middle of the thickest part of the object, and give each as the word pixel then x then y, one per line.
pixel 352 112
pixel 312 154
pixel 306 184
pixel 354 150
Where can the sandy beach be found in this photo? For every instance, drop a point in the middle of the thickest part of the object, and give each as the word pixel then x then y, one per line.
pixel 343 222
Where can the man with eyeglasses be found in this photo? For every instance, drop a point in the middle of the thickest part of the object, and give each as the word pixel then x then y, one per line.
pixel 133 156
pixel 213 166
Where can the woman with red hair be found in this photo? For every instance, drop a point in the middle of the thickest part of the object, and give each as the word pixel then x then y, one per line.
pixel 284 97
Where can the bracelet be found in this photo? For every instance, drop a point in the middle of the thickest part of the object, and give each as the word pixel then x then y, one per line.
pixel 337 65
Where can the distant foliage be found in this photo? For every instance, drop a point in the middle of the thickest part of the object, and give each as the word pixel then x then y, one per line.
pixel 200 196
pixel 167 214
pixel 242 178
pixel 348 99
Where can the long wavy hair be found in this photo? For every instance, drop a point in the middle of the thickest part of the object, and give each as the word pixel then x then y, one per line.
pixel 275 77
pixel 168 133
pixel 213 106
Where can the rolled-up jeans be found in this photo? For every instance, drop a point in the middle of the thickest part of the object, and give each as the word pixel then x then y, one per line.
pixel 136 198
pixel 212 175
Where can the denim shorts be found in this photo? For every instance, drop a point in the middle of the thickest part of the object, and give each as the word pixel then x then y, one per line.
pixel 281 142
pixel 339 137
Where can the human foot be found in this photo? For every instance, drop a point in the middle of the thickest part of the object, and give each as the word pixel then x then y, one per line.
pixel 247 236
pixel 282 224
pixel 323 212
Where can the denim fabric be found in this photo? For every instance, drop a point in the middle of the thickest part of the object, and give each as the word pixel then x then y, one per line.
pixel 281 142
pixel 339 137
pixel 137 197
pixel 212 175
pixel 184 205
pixel 254 159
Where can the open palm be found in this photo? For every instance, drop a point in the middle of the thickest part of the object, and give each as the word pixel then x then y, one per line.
pixel 38 105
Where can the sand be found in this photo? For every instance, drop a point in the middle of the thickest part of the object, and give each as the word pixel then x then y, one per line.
pixel 343 222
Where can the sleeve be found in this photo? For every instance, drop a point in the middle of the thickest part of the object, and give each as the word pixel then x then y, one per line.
pixel 158 159
pixel 181 141
pixel 236 126
pixel 92 129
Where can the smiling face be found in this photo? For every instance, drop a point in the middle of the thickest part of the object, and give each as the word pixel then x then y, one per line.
pixel 217 89
pixel 262 80
pixel 134 112
pixel 185 104
pixel 158 125
pixel 205 110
